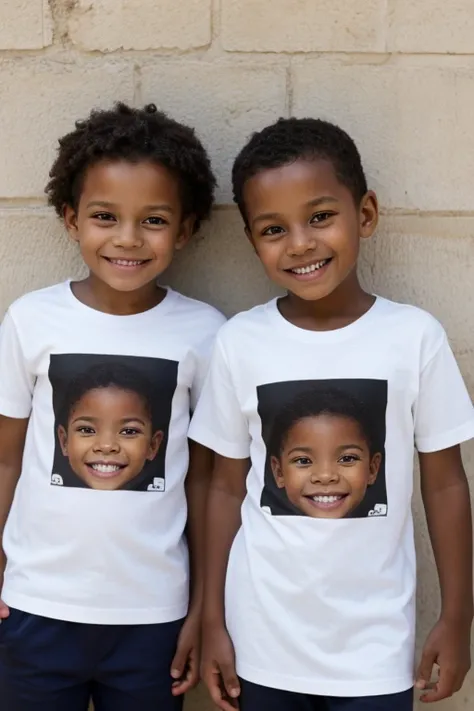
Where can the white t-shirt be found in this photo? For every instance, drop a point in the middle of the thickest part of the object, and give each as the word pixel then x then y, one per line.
pixel 96 530
pixel 320 591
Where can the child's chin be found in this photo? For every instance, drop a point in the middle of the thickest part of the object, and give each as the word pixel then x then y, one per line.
pixel 314 511
pixel 106 484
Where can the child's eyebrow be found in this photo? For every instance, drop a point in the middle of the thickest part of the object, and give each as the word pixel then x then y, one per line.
pixel 321 200
pixel 341 448
pixel 124 420
pixel 164 208
pixel 267 216
pixel 84 419
pixel 111 206
pixel 312 203
pixel 307 450
pixel 350 446
pixel 100 203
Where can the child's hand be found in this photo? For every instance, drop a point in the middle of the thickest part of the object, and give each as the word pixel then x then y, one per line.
pixel 218 668
pixel 4 611
pixel 185 665
pixel 447 647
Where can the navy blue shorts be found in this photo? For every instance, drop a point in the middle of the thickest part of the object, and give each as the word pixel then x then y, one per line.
pixel 257 698
pixel 51 665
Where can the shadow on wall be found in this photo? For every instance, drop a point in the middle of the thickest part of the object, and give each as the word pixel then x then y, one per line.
pixel 220 267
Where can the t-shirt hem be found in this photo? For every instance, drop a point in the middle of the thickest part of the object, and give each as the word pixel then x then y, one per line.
pixel 225 449
pixel 447 439
pixel 323 687
pixel 94 616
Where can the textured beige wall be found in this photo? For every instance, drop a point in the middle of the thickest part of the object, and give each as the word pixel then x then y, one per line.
pixel 398 74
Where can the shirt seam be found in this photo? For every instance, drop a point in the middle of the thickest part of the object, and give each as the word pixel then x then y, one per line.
pixel 443 341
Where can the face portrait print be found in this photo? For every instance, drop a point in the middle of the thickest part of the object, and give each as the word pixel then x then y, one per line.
pixel 325 449
pixel 112 420
pixel 108 435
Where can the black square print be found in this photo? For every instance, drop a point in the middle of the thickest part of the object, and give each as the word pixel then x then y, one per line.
pixel 112 416
pixel 325 442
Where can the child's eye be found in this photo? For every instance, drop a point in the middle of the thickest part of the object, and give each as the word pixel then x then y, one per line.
pixel 272 231
pixel 85 430
pixel 321 217
pixel 302 461
pixel 155 221
pixel 349 459
pixel 103 216
pixel 130 431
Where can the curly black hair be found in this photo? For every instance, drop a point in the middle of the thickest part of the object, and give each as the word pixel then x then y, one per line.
pixel 105 375
pixel 292 139
pixel 317 402
pixel 126 133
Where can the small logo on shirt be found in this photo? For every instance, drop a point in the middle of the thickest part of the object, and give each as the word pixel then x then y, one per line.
pixel 379 510
pixel 158 484
pixel 57 480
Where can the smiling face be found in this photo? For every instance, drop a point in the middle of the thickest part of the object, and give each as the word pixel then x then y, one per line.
pixel 109 437
pixel 325 466
pixel 306 228
pixel 128 223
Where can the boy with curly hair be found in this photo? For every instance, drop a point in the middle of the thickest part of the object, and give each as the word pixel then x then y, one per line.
pixel 98 598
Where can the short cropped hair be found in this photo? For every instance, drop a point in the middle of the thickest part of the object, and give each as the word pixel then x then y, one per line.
pixel 105 375
pixel 314 403
pixel 289 140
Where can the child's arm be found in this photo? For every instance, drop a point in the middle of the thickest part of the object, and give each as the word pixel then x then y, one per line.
pixel 220 424
pixel 185 665
pixel 12 440
pixel 446 499
pixel 226 495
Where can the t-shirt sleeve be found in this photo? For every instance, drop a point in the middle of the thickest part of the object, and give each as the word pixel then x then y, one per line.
pixel 444 414
pixel 16 382
pixel 218 421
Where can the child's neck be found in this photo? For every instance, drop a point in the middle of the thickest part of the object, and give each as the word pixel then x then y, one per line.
pixel 101 297
pixel 342 307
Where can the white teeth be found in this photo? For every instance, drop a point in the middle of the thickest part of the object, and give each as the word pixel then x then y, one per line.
pixel 105 468
pixel 312 268
pixel 326 499
pixel 127 262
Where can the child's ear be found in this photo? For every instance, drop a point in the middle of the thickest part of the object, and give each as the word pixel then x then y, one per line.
pixel 277 473
pixel 369 214
pixel 155 444
pixel 186 232
pixel 70 222
pixel 375 463
pixel 62 436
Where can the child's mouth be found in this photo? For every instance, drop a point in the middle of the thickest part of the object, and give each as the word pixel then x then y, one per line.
pixel 127 263
pixel 105 471
pixel 311 271
pixel 327 501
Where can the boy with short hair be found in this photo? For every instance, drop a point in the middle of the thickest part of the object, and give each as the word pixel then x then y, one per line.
pixel 320 611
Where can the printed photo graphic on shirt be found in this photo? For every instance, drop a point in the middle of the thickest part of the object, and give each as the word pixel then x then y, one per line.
pixel 112 416
pixel 325 442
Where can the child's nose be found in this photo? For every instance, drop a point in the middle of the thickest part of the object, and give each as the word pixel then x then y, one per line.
pixel 128 235
pixel 302 240
pixel 107 445
pixel 324 475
